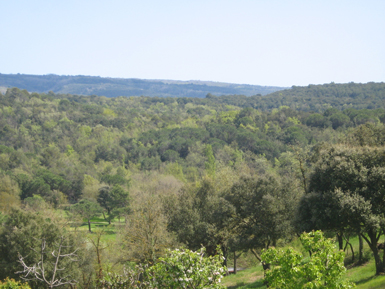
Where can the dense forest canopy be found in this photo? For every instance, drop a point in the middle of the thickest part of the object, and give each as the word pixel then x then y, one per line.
pixel 192 169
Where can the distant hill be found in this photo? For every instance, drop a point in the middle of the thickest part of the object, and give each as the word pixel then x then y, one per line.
pixel 316 98
pixel 113 87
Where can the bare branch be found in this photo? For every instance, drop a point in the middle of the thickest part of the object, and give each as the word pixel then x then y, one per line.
pixel 37 271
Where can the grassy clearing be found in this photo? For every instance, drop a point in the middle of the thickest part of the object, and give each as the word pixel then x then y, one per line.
pixel 250 278
pixel 99 223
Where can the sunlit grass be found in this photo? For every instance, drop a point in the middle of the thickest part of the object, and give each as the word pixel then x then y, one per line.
pixel 249 278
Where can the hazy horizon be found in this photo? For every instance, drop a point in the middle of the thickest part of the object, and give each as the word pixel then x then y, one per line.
pixel 268 43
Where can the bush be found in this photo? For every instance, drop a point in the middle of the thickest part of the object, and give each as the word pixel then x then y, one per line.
pixel 324 269
pixel 12 284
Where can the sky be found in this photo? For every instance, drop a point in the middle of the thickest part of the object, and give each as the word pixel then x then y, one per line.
pixel 260 42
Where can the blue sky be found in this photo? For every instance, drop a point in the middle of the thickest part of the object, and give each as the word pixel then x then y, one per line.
pixel 262 42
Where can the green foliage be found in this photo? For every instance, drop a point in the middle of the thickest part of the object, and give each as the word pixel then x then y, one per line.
pixel 324 268
pixel 179 269
pixel 347 191
pixel 23 234
pixel 210 164
pixel 264 210
pixel 12 284
pixel 201 217
pixel 87 209
pixel 132 278
pixel 113 200
pixel 187 269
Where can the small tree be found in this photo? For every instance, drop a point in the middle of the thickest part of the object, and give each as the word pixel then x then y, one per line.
pixel 113 199
pixel 188 269
pixel 87 209
pixel 324 269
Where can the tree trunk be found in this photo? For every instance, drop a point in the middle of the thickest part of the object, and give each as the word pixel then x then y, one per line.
pixel 340 241
pixel 360 249
pixel 89 225
pixel 372 242
pixel 377 259
pixel 351 247
pixel 235 262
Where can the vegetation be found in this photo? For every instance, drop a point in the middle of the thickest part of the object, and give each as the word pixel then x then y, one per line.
pixel 113 87
pixel 120 182
pixel 324 269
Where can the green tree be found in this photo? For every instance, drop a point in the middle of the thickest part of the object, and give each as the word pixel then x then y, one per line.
pixel 113 199
pixel 145 237
pixel 201 216
pixel 264 210
pixel 187 269
pixel 210 164
pixel 25 230
pixel 87 209
pixel 324 269
pixel 347 190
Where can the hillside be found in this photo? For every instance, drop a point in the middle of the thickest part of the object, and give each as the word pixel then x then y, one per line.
pixel 113 87
pixel 188 166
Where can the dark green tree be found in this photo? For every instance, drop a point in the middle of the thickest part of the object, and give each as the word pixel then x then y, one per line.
pixel 22 235
pixel 347 190
pixel 264 210
pixel 113 199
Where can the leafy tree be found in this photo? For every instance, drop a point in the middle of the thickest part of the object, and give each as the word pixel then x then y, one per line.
pixel 9 194
pixel 347 190
pixel 25 230
pixel 112 199
pixel 201 216
pixel 145 237
pixel 324 269
pixel 87 209
pixel 187 269
pixel 264 210
pixel 210 164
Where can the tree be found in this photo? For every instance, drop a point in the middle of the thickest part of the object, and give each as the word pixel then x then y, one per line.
pixel 324 269
pixel 145 236
pixel 347 191
pixel 25 230
pixel 112 199
pixel 87 209
pixel 210 164
pixel 264 210
pixel 187 269
pixel 201 216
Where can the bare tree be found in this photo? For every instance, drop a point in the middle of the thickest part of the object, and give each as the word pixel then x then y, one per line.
pixel 39 272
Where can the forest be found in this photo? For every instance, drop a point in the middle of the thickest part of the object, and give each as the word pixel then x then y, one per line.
pixel 112 184
pixel 113 87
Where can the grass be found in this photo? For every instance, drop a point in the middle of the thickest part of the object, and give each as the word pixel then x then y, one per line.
pixel 249 278
pixel 99 223
pixel 364 276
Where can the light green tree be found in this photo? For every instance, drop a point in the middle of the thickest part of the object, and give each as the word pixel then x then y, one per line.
pixel 324 269
pixel 188 269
